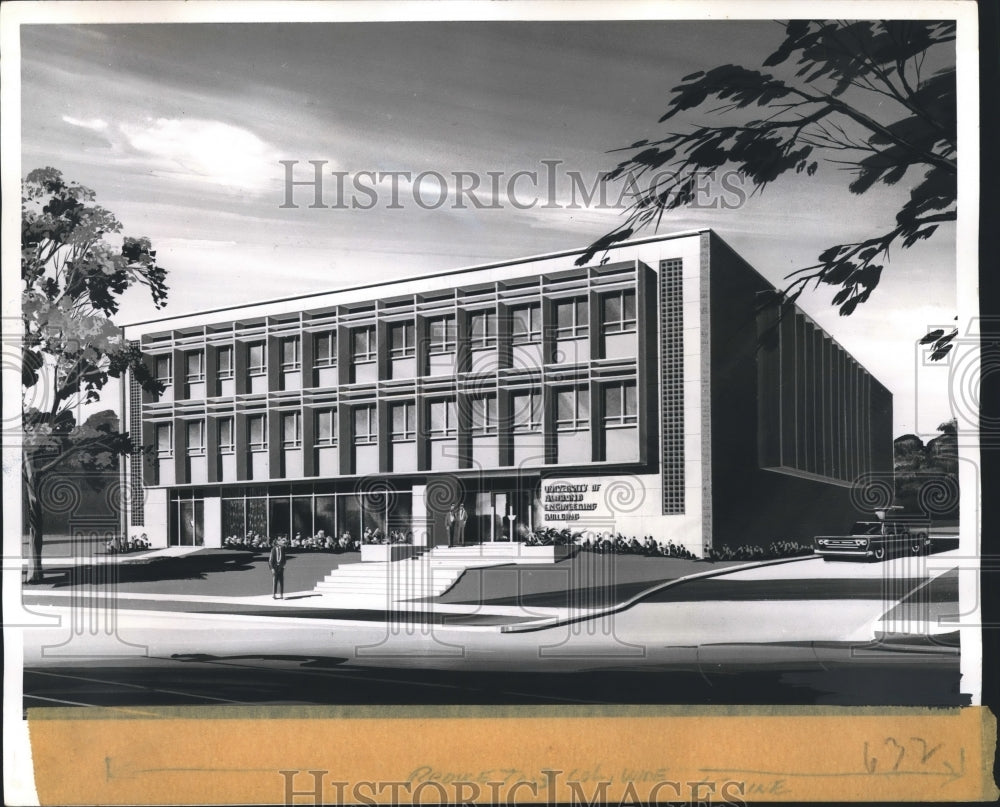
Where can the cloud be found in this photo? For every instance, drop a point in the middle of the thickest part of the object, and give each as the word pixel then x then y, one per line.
pixel 94 124
pixel 193 243
pixel 206 151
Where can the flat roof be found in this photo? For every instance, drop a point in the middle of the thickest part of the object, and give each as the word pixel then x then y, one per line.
pixel 446 273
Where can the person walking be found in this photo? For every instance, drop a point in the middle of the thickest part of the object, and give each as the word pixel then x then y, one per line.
pixel 276 562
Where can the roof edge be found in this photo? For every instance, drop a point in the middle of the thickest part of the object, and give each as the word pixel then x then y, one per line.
pixel 446 273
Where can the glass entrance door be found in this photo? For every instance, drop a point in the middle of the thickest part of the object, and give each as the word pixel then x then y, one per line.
pixel 280 518
pixel 190 524
pixel 514 514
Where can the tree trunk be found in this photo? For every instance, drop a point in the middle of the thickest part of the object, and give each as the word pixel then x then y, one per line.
pixel 32 482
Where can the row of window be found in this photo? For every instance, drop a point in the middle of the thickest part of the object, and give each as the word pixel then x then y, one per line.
pixel 572 321
pixel 572 413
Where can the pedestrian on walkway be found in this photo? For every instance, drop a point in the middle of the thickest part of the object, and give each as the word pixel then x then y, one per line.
pixel 276 562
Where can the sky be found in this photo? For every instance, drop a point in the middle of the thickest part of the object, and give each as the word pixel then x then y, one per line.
pixel 180 130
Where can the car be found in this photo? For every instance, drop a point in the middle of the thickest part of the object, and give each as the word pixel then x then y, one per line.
pixel 875 540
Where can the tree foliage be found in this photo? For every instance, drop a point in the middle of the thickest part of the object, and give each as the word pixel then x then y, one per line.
pixel 73 279
pixel 926 476
pixel 859 95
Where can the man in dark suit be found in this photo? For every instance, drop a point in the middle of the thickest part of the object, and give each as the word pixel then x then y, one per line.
pixel 461 516
pixel 276 562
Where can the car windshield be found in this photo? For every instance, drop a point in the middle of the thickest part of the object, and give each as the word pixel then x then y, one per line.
pixel 867 528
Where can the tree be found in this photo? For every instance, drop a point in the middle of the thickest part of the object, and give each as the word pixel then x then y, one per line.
pixel 71 348
pixel 861 98
pixel 926 476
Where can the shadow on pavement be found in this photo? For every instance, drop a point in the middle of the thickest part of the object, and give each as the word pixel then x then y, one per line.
pixel 196 566
pixel 320 662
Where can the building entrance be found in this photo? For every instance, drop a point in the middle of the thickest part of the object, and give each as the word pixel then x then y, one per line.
pixel 189 523
pixel 502 514
pixel 460 514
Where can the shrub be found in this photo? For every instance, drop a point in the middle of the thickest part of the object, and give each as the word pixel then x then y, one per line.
pixel 550 536
pixel 775 549
pixel 620 545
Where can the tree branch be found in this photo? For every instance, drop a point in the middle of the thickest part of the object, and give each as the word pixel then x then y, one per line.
pixel 101 442
pixel 875 126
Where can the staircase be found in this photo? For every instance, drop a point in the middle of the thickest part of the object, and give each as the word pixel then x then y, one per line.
pixel 428 574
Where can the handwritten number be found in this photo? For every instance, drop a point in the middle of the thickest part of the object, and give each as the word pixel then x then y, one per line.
pixel 926 755
pixel 920 756
pixel 902 751
pixel 870 762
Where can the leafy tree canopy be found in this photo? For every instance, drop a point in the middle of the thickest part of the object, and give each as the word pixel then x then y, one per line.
pixel 926 476
pixel 72 282
pixel 73 279
pixel 859 95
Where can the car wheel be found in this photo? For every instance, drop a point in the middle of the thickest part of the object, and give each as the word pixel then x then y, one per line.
pixel 879 553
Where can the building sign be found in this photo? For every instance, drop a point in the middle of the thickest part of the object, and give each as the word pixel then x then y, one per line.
pixel 598 504
pixel 565 502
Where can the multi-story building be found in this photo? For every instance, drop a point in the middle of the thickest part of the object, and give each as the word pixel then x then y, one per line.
pixel 656 392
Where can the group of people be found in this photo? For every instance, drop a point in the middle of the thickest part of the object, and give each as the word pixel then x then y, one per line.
pixel 120 544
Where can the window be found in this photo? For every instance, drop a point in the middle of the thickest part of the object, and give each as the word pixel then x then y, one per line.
pixel 402 340
pixel 483 330
pixel 618 312
pixel 526 324
pixel 620 405
pixel 442 420
pixel 226 436
pixel 365 426
pixel 484 415
pixel 194 366
pixel 442 335
pixel 527 411
pixel 572 409
pixel 403 422
pixel 324 348
pixel 291 430
pixel 195 437
pixel 572 318
pixel 163 368
pixel 257 432
pixel 164 440
pixel 363 344
pixel 326 427
pixel 256 359
pixel 224 357
pixel 291 359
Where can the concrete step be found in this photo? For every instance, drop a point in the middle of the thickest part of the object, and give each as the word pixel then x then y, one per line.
pixel 429 575
pixel 434 572
pixel 395 583
pixel 396 578
pixel 374 574
pixel 383 593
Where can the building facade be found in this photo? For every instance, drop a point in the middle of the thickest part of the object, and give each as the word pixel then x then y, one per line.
pixel 652 393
